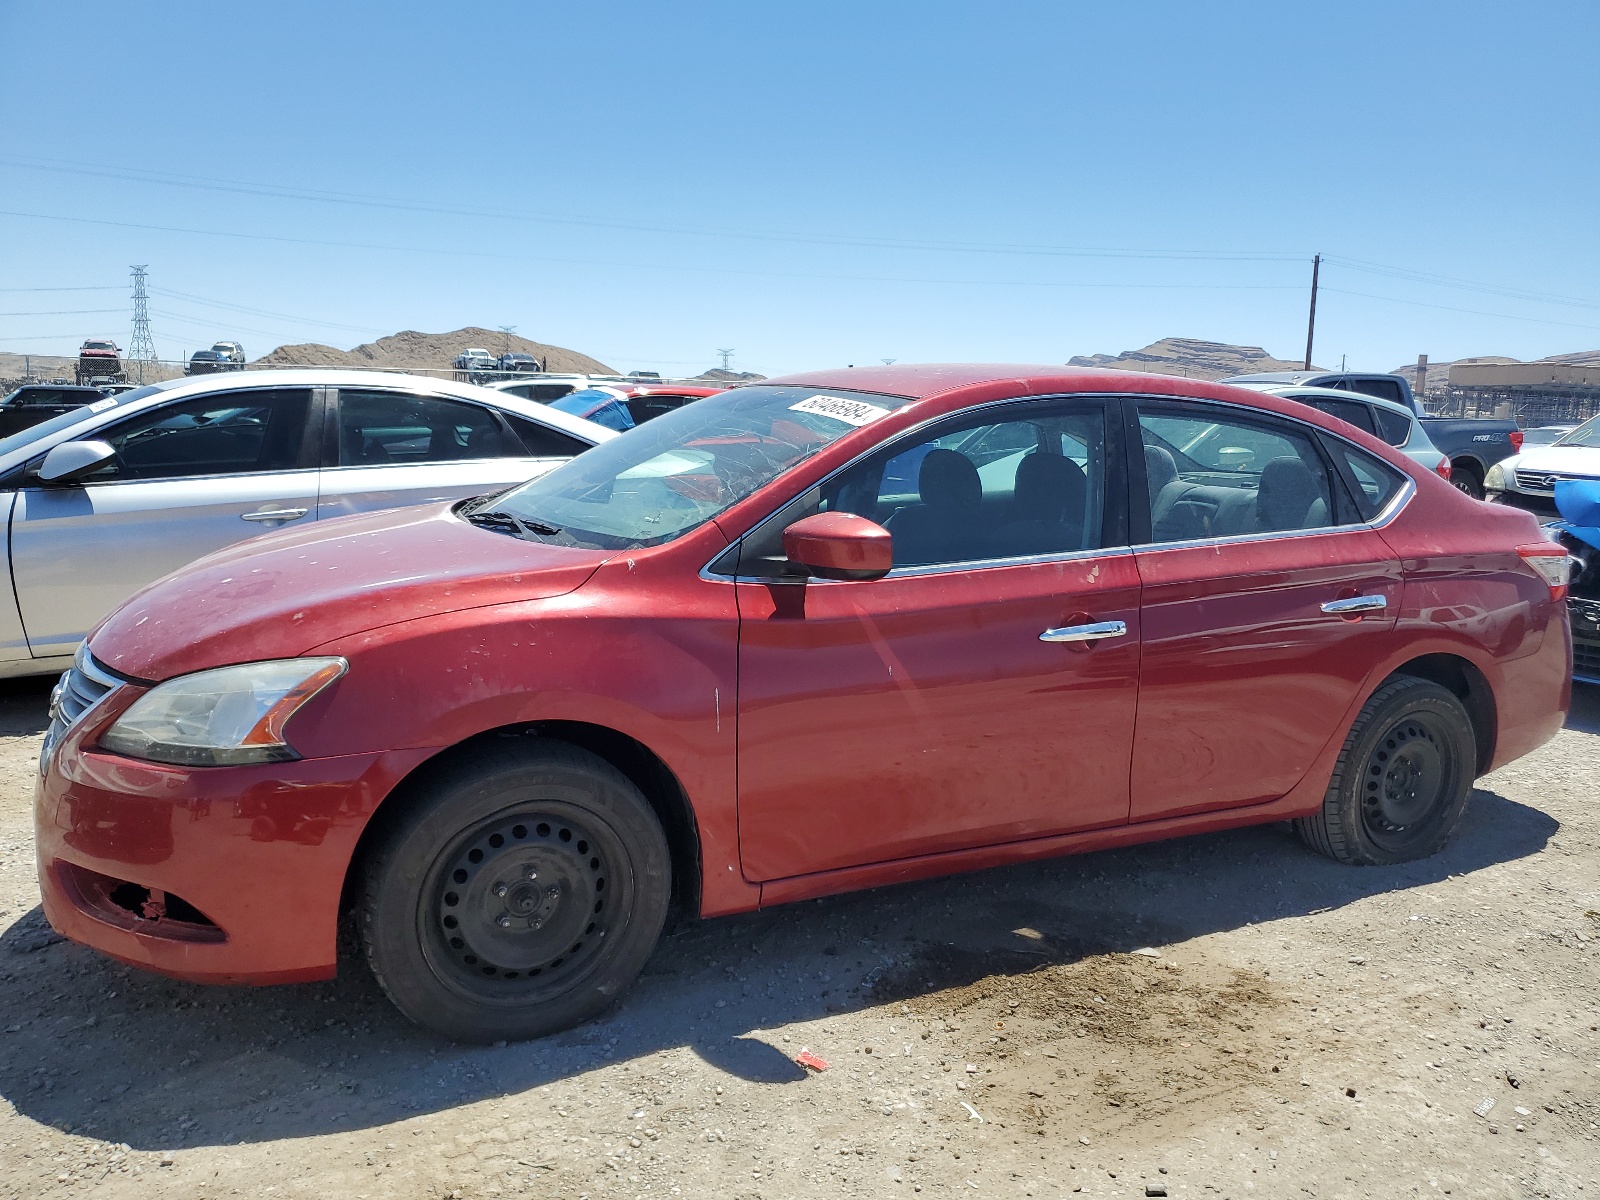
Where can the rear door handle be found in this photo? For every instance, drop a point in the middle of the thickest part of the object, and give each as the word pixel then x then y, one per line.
pixel 1085 633
pixel 275 514
pixel 1355 604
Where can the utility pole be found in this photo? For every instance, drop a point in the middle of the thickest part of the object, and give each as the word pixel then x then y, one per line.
pixel 888 362
pixel 505 341
pixel 141 347
pixel 1311 323
pixel 726 356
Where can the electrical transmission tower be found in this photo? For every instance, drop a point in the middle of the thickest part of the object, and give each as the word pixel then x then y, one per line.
pixel 141 347
pixel 727 355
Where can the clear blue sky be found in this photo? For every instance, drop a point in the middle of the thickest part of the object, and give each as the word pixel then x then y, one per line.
pixel 809 184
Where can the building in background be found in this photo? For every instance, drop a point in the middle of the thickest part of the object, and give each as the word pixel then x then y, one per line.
pixel 1536 393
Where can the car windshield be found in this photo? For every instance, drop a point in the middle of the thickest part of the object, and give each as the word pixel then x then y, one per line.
pixel 70 418
pixel 1586 435
pixel 672 474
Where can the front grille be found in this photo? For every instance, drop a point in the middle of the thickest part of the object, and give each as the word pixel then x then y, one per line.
pixel 1585 614
pixel 1542 481
pixel 1586 660
pixel 83 686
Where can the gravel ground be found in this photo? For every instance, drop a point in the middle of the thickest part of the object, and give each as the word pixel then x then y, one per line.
pixel 1219 1016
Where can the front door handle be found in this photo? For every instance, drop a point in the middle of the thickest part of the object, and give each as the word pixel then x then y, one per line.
pixel 1355 604
pixel 1092 632
pixel 275 514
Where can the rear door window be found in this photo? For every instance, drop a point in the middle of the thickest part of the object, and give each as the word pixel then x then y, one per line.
pixel 1213 474
pixel 382 428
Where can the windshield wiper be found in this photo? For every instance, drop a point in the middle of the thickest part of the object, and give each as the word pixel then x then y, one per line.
pixel 497 519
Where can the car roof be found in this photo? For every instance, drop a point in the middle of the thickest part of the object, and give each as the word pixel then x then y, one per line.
pixel 918 381
pixel 1306 392
pixel 290 377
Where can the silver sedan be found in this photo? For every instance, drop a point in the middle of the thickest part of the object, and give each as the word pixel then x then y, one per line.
pixel 104 499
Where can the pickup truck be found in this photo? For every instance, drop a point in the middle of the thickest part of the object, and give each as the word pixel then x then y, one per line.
pixel 1472 444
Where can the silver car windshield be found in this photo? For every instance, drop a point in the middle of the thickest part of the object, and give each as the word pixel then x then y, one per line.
pixel 70 418
pixel 1586 435
pixel 672 474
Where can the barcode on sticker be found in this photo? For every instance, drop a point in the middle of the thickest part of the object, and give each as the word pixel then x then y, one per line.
pixel 851 412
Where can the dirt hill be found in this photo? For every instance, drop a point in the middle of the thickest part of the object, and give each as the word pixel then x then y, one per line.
pixel 718 375
pixel 410 350
pixel 1187 356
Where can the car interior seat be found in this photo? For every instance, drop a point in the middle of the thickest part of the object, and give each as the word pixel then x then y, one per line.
pixel 1048 510
pixel 943 527
pixel 1290 496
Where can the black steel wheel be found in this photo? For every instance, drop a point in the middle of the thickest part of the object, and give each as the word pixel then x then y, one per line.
pixel 1402 780
pixel 518 895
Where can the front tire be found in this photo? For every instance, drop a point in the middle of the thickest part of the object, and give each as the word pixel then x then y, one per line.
pixel 1402 780
pixel 518 896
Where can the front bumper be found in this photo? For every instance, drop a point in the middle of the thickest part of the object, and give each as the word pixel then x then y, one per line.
pixel 215 875
pixel 1585 615
pixel 1540 505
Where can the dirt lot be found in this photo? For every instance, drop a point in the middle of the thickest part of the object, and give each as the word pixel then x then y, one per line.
pixel 1222 1016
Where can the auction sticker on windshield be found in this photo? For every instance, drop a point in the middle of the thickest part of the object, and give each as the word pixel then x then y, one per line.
pixel 851 412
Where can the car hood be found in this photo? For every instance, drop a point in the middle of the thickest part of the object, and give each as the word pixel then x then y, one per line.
pixel 1571 460
pixel 279 595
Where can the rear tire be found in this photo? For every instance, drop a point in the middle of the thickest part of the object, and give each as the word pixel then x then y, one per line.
pixel 1402 780
pixel 518 896
pixel 1465 478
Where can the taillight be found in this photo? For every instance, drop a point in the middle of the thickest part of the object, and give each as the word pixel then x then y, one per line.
pixel 1516 441
pixel 1553 564
pixel 1443 469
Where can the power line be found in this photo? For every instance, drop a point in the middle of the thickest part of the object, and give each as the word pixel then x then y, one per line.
pixel 117 288
pixel 1471 311
pixel 243 187
pixel 367 201
pixel 207 302
pixel 638 266
pixel 61 312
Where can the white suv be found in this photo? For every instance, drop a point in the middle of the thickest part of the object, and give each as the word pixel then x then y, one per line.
pixel 1528 480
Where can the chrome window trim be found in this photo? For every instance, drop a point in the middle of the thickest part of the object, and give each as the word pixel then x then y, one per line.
pixel 445 462
pixel 33 485
pixel 1389 513
pixel 710 576
pixel 976 564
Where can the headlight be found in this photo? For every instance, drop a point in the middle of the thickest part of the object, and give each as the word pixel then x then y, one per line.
pixel 223 717
pixel 1495 479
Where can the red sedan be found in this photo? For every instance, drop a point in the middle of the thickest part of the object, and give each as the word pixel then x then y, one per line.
pixel 812 635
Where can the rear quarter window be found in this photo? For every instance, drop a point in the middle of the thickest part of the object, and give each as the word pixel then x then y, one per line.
pixel 544 442
pixel 1376 482
pixel 1393 427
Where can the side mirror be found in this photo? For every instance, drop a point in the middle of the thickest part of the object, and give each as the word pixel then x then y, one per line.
pixel 840 545
pixel 71 461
